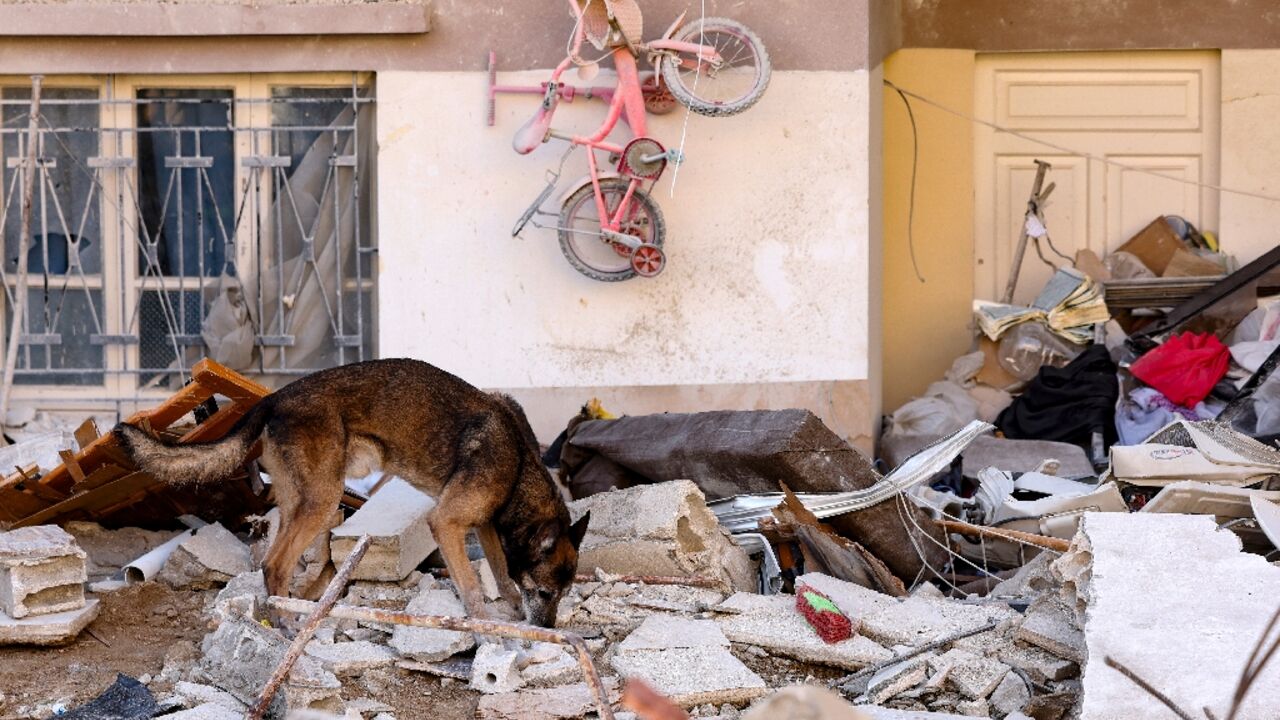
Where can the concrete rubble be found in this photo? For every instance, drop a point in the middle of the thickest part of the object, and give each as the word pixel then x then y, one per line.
pixel 42 579
pixel 395 517
pixel 661 529
pixel 209 558
pixel 686 660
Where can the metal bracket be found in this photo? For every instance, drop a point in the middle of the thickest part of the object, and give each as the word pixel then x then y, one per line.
pixel 346 340
pixel 266 161
pixel 275 340
pixel 188 340
pixel 343 161
pixel 111 162
pixel 40 339
pixel 20 162
pixel 196 161
pixel 113 340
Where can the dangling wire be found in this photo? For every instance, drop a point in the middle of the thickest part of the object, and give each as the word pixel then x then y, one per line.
pixel 684 131
pixel 915 157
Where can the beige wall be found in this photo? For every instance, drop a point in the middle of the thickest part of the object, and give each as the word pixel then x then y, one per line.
pixel 769 297
pixel 1250 150
pixel 926 324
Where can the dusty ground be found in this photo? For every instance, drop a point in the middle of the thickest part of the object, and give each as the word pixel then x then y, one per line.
pixel 139 623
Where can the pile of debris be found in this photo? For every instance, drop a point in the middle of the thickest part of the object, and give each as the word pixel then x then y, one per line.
pixel 729 556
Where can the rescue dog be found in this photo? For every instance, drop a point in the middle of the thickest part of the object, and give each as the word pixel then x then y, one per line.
pixel 474 452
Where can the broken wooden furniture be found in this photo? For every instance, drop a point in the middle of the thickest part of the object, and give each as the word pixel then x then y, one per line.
pixel 99 482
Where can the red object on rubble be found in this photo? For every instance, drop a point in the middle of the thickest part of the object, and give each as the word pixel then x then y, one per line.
pixel 831 624
pixel 1185 368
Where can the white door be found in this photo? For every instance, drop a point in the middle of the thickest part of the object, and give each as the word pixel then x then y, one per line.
pixel 1156 111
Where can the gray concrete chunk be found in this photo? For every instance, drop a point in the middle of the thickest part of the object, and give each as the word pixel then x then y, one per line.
pixel 1050 624
pixel 692 676
pixel 667 632
pixel 560 703
pixel 207 559
pixel 1010 695
pixel 896 679
pixel 660 529
pixel 974 676
pixel 51 629
pixel 351 658
pixel 42 571
pixel 430 644
pixel 395 518
pixel 496 670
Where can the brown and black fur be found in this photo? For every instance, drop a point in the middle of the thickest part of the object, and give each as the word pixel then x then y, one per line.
pixel 473 452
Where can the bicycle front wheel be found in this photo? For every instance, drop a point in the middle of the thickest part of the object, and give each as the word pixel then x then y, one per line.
pixel 587 250
pixel 728 89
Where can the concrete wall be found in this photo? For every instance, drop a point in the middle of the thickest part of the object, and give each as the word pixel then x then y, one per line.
pixel 768 296
pixel 1250 145
pixel 926 322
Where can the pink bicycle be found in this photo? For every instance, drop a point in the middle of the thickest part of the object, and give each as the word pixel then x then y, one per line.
pixel 609 226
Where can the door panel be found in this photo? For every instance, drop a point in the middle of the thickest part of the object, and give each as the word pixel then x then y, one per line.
pixel 1149 111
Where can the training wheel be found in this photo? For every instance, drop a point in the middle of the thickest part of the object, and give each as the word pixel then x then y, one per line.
pixel 648 260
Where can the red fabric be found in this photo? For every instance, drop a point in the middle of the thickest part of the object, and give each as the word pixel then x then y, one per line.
pixel 831 626
pixel 1185 368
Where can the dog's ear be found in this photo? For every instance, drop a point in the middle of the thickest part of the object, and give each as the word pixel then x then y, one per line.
pixel 578 530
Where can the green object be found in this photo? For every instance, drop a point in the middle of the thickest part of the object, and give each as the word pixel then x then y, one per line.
pixel 820 603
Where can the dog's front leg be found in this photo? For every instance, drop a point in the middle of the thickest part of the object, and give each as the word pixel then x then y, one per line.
pixel 497 558
pixel 452 539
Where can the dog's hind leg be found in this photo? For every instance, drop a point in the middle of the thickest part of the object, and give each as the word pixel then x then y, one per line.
pixel 307 490
pixel 497 558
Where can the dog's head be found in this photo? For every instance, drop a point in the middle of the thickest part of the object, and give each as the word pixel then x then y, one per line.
pixel 545 570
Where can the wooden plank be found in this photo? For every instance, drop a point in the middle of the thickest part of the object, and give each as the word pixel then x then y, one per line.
pixel 73 467
pixel 87 433
pixel 104 495
pixel 40 490
pixel 15 504
pixel 100 477
pixel 228 382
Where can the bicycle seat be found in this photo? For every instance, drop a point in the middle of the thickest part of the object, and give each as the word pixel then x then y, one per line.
pixel 534 132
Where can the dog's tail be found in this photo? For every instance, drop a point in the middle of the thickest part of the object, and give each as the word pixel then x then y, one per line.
pixel 195 462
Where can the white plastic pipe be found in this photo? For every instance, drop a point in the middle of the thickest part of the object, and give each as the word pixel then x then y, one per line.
pixel 146 567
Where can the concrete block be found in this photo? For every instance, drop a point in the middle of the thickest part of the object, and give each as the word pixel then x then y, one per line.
pixel 559 668
pixel 973 675
pixel 351 658
pixel 241 655
pixel 1173 597
pixel 660 529
pixel 429 644
pixel 496 670
pixel 196 694
pixel 771 622
pixel 208 559
pixel 896 679
pixel 974 708
pixel 872 712
pixel 42 571
pixel 560 703
pixel 51 629
pixel 1010 696
pixel 396 520
pixel 913 621
pixel 1040 665
pixel 688 661
pixel 1049 623
pixel 245 595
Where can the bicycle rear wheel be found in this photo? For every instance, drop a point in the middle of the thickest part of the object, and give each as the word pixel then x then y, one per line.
pixel 729 89
pixel 590 253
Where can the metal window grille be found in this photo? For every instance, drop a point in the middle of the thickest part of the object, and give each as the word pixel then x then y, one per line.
pixel 180 223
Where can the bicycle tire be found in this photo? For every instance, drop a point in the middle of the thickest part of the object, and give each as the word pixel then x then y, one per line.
pixel 570 212
pixel 684 92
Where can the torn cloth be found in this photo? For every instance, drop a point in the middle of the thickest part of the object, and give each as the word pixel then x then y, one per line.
pixel 1068 403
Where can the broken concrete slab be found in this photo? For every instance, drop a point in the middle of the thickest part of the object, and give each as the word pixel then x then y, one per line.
pixel 1040 665
pixel 241 655
pixel 560 669
pixel 51 629
pixel 914 621
pixel 456 668
pixel 1049 623
pixel 692 676
pixel 1139 595
pixel 208 559
pixel 351 658
pixel 560 703
pixel 395 519
pixel 667 632
pixel 496 669
pixel 1010 696
pixel 771 622
pixel 245 595
pixel 196 694
pixel 882 713
pixel 42 571
pixel 972 675
pixel 896 679
pixel 662 529
pixel 429 644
